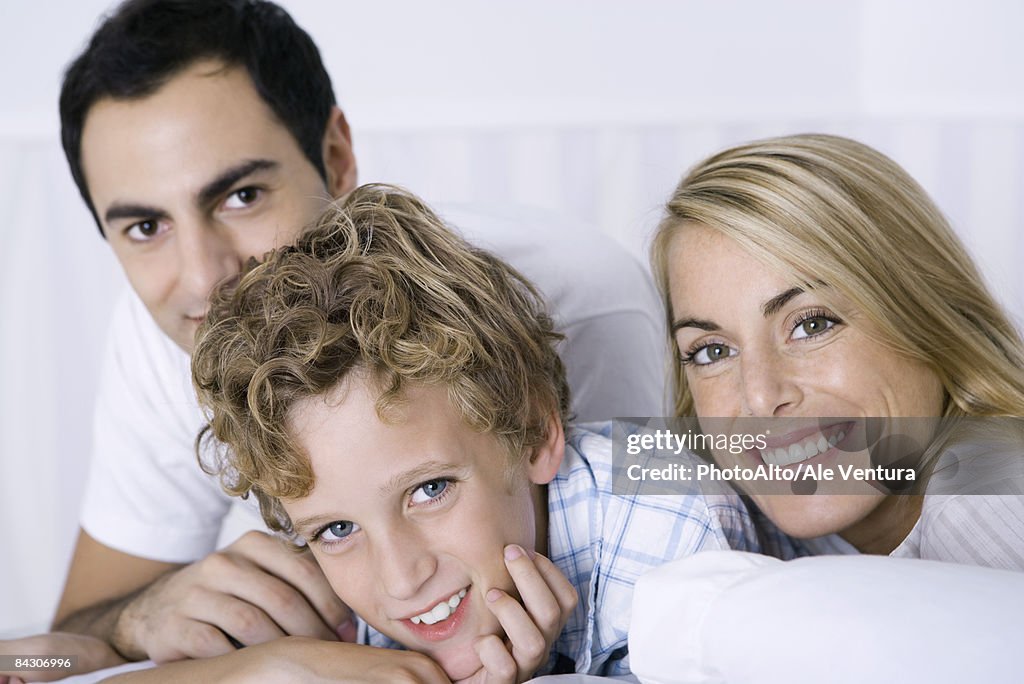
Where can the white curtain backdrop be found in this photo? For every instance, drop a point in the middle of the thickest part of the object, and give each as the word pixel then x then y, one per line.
pixel 592 110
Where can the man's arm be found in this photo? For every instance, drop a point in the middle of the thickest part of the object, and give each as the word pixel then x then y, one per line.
pixel 255 590
pixel 100 581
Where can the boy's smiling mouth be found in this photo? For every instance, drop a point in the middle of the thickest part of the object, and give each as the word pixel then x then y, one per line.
pixel 442 620
pixel 441 611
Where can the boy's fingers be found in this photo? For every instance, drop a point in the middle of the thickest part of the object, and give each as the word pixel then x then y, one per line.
pixel 498 664
pixel 540 601
pixel 549 597
pixel 529 645
pixel 562 589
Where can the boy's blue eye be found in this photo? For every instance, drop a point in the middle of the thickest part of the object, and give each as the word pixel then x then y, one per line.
pixel 337 530
pixel 429 490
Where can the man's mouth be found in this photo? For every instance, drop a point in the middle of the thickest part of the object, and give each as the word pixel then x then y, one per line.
pixel 442 611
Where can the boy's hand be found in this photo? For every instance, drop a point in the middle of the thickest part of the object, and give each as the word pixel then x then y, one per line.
pixel 532 627
pixel 298 659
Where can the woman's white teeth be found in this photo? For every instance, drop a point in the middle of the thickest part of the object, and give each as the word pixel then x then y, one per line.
pixel 442 611
pixel 801 451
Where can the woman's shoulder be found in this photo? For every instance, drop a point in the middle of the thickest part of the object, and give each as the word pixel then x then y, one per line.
pixel 971 529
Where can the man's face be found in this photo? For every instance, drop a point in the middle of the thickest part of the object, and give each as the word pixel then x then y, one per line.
pixel 411 514
pixel 191 181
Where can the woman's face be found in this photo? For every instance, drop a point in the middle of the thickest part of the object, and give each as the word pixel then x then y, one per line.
pixel 756 344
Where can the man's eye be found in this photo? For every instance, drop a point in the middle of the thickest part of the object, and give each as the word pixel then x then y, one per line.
pixel 242 198
pixel 143 230
pixel 429 491
pixel 337 531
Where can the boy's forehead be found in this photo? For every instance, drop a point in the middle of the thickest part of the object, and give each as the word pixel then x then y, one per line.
pixel 421 436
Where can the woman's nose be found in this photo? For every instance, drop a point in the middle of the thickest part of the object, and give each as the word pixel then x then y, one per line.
pixel 770 387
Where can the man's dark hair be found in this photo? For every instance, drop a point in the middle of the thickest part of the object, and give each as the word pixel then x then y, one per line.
pixel 145 43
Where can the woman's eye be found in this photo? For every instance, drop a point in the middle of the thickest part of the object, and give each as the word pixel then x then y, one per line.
pixel 710 353
pixel 809 327
pixel 337 530
pixel 429 490
pixel 242 198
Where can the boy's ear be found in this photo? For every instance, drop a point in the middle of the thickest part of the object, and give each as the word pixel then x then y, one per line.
pixel 339 159
pixel 547 457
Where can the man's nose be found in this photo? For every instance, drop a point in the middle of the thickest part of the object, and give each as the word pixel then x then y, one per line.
pixel 206 257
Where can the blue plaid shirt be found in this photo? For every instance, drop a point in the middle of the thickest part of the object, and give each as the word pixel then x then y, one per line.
pixel 603 542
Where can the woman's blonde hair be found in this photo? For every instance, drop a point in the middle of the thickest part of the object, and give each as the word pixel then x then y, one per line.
pixel 379 285
pixel 838 215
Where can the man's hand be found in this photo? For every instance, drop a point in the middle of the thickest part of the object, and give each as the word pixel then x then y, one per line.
pixel 92 654
pixel 252 592
pixel 532 627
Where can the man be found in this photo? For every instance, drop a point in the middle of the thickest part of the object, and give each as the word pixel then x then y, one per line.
pixel 201 134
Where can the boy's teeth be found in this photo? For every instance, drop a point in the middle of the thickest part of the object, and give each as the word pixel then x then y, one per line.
pixel 442 611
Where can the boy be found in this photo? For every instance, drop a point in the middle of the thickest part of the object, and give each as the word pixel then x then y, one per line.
pixel 393 399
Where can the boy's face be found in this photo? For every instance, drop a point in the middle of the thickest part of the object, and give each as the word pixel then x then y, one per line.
pixel 192 180
pixel 407 516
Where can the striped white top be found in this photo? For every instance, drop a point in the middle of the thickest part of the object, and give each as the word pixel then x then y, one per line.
pixel 973 511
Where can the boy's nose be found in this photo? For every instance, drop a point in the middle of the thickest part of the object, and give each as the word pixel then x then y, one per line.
pixel 404 564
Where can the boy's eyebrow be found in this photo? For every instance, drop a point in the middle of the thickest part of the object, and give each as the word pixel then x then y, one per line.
pixel 219 185
pixel 311 522
pixel 418 474
pixel 398 482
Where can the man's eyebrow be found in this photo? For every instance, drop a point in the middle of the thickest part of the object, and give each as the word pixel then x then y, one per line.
pixel 121 211
pixel 223 182
pixel 773 305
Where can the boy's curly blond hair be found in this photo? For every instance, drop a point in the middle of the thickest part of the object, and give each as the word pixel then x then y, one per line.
pixel 379 284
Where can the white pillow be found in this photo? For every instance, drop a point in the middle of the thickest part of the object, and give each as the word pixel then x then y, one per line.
pixel 730 616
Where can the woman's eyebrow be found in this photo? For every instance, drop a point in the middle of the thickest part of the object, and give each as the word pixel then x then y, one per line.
pixel 768 309
pixel 707 326
pixel 773 305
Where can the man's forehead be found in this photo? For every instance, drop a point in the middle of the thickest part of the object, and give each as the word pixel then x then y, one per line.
pixel 198 125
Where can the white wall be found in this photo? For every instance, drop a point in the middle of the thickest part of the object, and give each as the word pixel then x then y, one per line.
pixel 590 108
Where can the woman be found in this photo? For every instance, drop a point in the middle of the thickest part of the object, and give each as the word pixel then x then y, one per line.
pixel 809 277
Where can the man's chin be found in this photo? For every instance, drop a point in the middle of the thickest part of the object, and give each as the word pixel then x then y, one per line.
pixel 184 335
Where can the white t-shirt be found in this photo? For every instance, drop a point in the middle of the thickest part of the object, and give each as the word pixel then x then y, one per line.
pixel 146 494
